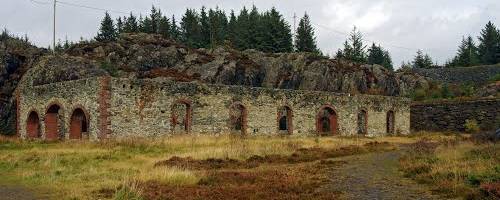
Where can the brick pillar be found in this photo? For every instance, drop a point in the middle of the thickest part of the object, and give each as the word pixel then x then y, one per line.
pixel 104 103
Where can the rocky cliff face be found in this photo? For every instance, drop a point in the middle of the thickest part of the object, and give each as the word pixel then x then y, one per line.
pixel 16 57
pixel 151 56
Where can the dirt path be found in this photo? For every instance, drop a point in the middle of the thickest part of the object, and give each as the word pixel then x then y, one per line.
pixel 375 176
pixel 16 193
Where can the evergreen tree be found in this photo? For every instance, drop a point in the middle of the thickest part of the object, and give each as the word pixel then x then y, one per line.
pixel 119 25
pixel 130 25
pixel 467 54
pixel 305 41
pixel 146 25
pixel 489 44
pixel 191 29
pixel 232 25
pixel 218 26
pixel 156 20
pixel 164 27
pixel 354 49
pixel 422 61
pixel 107 31
pixel 175 33
pixel 377 55
pixel 255 32
pixel 243 30
pixel 205 28
pixel 274 34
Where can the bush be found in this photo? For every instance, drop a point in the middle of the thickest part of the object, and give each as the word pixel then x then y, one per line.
pixel 471 126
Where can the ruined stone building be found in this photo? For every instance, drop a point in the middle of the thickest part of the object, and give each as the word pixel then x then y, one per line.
pixel 104 107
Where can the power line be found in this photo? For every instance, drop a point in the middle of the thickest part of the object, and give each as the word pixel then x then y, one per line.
pixel 80 6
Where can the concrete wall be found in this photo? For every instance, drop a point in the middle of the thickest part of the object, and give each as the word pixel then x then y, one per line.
pixel 451 115
pixel 118 108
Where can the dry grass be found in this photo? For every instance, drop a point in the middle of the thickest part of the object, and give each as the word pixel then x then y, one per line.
pixel 457 168
pixel 78 170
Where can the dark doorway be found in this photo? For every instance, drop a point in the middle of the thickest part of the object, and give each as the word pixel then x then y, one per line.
pixel 181 117
pixel 326 121
pixel 53 123
pixel 238 118
pixel 362 122
pixel 78 125
pixel 33 125
pixel 285 123
pixel 390 122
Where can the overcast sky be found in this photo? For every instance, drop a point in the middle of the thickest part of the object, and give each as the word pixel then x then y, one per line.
pixel 401 26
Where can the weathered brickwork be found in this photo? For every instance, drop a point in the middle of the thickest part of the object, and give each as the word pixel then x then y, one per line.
pixel 118 108
pixel 451 115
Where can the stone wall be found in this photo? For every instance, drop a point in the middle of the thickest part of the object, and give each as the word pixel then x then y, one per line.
pixel 474 75
pixel 451 115
pixel 144 107
pixel 118 108
pixel 69 96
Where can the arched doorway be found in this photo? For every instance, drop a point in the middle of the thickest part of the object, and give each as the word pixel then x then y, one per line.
pixel 53 123
pixel 390 122
pixel 326 121
pixel 181 116
pixel 33 125
pixel 285 123
pixel 78 125
pixel 238 118
pixel 362 122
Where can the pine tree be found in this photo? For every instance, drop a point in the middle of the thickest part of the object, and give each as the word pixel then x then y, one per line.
pixel 422 61
pixel 218 25
pixel 274 34
pixel 130 25
pixel 377 55
pixel 243 30
pixel 164 27
pixel 119 25
pixel 107 31
pixel 489 44
pixel 354 49
pixel 232 25
pixel 305 41
pixel 191 29
pixel 175 33
pixel 146 25
pixel 205 28
pixel 467 54
pixel 156 20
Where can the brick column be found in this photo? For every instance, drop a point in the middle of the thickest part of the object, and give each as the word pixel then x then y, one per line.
pixel 104 103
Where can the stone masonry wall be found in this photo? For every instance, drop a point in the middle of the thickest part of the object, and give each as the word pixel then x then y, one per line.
pixel 475 75
pixel 451 116
pixel 118 108
pixel 144 108
pixel 69 96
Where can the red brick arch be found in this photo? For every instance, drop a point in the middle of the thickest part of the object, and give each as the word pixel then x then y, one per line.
pixel 53 125
pixel 33 125
pixel 79 123
pixel 187 119
pixel 238 115
pixel 288 119
pixel 331 121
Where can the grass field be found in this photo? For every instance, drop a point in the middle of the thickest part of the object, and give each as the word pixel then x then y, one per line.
pixel 213 167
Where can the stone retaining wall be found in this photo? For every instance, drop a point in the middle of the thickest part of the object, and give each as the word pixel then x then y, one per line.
pixel 474 75
pixel 451 115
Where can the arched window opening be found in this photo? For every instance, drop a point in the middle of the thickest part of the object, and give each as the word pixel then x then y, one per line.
pixel 390 122
pixel 285 117
pixel 181 117
pixel 238 115
pixel 33 125
pixel 362 122
pixel 53 124
pixel 326 121
pixel 79 125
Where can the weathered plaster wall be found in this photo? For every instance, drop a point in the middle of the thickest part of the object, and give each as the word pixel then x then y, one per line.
pixel 451 115
pixel 68 95
pixel 144 108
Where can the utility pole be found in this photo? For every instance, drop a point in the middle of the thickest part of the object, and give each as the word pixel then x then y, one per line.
pixel 54 33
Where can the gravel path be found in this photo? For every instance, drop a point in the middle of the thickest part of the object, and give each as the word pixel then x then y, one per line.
pixel 16 193
pixel 375 176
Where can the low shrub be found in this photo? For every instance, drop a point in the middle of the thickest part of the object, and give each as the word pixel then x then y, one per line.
pixel 471 126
